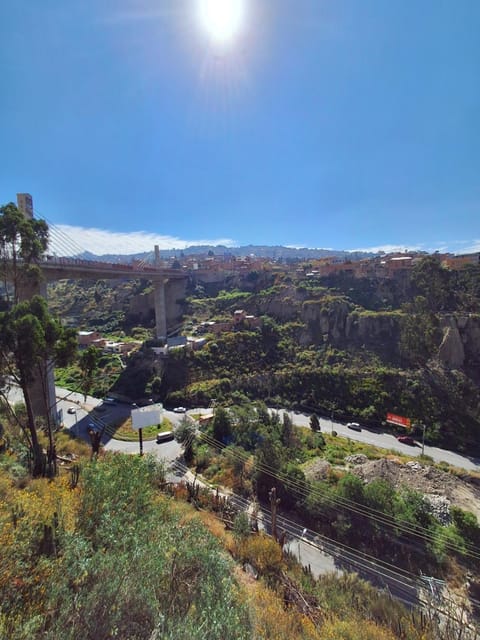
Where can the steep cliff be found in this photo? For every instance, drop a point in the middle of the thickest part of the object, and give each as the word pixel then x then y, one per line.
pixel 460 344
pixel 335 321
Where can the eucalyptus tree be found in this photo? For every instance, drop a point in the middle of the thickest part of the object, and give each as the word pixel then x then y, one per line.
pixel 31 340
pixel 23 243
pixel 88 363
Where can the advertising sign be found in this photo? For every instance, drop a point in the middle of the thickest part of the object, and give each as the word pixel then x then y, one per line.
pixel 401 421
pixel 147 416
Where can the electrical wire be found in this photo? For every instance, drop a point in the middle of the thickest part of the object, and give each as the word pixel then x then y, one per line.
pixel 345 503
pixel 342 502
pixel 352 556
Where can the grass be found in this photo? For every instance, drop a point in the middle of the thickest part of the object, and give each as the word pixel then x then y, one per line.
pixel 123 431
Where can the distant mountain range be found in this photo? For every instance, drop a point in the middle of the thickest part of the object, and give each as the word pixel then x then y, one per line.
pixel 261 251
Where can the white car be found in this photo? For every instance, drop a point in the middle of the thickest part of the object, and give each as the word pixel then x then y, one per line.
pixel 354 425
pixel 179 410
pixel 71 410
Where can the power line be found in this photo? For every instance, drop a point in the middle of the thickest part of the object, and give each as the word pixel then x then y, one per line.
pixel 346 503
pixel 352 556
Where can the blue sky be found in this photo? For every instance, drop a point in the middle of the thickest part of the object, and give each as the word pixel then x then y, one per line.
pixel 352 124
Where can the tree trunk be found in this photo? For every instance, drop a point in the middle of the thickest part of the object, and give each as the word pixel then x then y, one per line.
pixel 38 458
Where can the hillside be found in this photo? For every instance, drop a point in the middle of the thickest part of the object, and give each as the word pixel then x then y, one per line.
pixel 105 553
pixel 337 349
pixel 357 347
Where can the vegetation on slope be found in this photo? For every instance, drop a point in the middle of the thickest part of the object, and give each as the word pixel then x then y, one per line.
pixel 110 558
pixel 107 555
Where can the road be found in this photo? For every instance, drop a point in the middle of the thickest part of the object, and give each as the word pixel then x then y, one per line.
pixel 389 442
pixel 83 417
pixel 80 421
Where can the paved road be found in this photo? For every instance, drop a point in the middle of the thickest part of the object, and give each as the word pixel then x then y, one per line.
pixel 388 441
pixel 378 439
pixel 80 421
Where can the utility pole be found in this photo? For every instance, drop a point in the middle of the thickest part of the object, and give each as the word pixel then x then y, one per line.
pixel 274 502
pixel 423 439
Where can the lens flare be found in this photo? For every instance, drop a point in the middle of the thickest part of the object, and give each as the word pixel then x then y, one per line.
pixel 222 19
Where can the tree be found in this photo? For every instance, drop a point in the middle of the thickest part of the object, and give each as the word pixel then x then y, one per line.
pixel 22 245
pixel 237 458
pixel 287 431
pixel 88 363
pixel 432 281
pixel 419 332
pixel 268 463
pixel 31 340
pixel 222 426
pixel 185 434
pixel 314 422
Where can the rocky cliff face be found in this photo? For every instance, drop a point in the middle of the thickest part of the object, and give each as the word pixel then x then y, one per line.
pixel 337 323
pixel 340 325
pixel 460 345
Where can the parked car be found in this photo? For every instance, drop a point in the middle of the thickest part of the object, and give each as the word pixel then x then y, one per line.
pixel 354 425
pixel 179 410
pixel 144 402
pixel 406 440
pixel 71 410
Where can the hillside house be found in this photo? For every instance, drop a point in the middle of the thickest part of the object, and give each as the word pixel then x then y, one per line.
pixel 86 338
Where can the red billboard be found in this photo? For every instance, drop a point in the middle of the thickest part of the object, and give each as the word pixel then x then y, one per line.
pixel 399 420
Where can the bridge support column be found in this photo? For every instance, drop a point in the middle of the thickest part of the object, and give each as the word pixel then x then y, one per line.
pixel 159 298
pixel 160 310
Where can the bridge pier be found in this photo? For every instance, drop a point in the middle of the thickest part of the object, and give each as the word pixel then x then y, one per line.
pixel 160 310
pixel 159 302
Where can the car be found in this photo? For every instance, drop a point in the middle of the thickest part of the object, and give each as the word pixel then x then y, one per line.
pixel 71 410
pixel 354 426
pixel 100 408
pixel 406 440
pixel 164 436
pixel 179 410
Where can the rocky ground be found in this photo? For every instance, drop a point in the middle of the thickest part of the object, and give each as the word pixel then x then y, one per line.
pixel 442 489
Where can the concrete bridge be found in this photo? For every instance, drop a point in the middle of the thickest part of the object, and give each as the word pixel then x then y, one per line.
pixel 61 268
pixel 55 268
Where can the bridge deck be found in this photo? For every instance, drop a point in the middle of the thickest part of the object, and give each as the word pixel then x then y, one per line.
pixel 60 268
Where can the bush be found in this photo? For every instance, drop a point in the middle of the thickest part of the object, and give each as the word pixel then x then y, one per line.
pixel 262 552
pixel 119 563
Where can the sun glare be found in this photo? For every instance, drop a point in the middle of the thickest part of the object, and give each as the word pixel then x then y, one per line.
pixel 222 19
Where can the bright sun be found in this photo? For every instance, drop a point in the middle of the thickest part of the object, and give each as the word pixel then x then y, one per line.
pixel 222 19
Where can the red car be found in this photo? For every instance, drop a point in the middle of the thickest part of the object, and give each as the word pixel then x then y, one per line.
pixel 406 440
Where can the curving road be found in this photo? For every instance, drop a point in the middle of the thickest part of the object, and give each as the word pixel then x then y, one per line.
pixel 83 417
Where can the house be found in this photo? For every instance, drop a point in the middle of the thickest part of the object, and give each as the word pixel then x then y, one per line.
pixel 86 338
pixel 122 348
pixel 460 261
